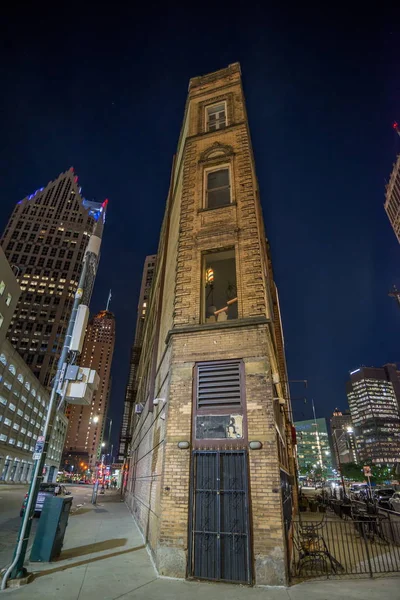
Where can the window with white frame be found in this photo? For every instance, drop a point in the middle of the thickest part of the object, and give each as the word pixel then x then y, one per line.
pixel 218 188
pixel 216 116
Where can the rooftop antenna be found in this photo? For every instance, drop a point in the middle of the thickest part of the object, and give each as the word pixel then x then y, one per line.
pixel 109 299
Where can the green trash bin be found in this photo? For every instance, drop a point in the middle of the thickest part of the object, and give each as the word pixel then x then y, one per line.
pixel 50 533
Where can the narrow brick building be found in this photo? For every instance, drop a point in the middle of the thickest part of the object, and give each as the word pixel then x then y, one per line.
pixel 211 465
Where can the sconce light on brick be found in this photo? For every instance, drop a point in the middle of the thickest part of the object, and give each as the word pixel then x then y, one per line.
pixel 255 445
pixel 183 445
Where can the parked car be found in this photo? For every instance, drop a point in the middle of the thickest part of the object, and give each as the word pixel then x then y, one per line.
pixel 394 502
pixel 382 496
pixel 46 489
pixel 358 490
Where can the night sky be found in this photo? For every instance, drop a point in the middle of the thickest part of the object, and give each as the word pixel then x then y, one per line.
pixel 105 93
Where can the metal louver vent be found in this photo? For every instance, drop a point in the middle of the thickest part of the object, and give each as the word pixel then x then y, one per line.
pixel 218 384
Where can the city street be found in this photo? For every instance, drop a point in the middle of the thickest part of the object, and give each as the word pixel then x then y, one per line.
pixel 104 557
pixel 11 498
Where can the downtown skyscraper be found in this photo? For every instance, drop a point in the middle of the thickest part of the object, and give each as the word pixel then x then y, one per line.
pixel 45 239
pixel 374 399
pixel 392 199
pixel 87 424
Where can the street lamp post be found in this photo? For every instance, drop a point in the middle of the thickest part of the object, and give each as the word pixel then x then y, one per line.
pixel 82 296
pixel 338 458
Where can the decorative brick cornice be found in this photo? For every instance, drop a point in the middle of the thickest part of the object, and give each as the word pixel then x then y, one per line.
pixel 248 322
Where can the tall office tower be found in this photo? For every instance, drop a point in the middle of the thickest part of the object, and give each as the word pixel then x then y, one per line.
pixel 130 393
pixel 211 468
pixel 392 201
pixel 344 443
pixel 374 395
pixel 87 424
pixel 313 448
pixel 45 239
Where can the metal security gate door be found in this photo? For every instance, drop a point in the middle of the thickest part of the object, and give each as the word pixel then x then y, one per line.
pixel 219 547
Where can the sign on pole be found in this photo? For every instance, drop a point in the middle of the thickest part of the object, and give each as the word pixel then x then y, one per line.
pixel 367 471
pixel 39 447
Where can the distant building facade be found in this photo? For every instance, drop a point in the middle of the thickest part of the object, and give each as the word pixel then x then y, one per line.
pixel 9 294
pixel 313 447
pixel 344 443
pixel 45 240
pixel 131 389
pixel 86 424
pixel 374 396
pixel 392 200
pixel 24 405
pixel 23 400
pixel 211 466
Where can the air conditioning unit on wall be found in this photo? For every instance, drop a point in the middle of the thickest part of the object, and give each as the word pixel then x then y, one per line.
pixel 138 408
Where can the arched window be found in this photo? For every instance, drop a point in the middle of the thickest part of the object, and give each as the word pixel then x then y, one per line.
pixel 3 358
pixel 33 392
pixel 27 385
pixel 20 378
pixel 12 369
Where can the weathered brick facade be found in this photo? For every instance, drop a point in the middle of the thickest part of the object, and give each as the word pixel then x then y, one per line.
pixel 177 338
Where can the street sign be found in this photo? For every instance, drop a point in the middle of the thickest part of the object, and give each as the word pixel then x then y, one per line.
pixel 367 471
pixel 39 447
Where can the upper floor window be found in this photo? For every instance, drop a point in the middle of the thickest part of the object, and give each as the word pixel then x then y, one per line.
pixel 2 287
pixel 220 289
pixel 216 116
pixel 218 192
pixel 8 299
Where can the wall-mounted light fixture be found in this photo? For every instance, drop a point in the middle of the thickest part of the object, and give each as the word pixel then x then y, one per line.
pixel 183 445
pixel 255 445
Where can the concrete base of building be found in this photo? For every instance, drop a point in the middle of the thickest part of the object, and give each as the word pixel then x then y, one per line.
pixel 270 569
pixel 171 562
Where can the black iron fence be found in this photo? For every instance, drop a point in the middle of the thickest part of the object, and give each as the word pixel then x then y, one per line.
pixel 367 545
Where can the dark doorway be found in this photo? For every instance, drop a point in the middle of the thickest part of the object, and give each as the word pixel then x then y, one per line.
pixel 219 540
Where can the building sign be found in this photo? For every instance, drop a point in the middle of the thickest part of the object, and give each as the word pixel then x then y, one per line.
pixel 39 447
pixel 219 427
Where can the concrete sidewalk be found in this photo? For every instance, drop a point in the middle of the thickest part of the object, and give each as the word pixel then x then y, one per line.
pixel 104 558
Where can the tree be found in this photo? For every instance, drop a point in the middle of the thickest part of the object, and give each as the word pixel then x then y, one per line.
pixel 306 470
pixel 352 471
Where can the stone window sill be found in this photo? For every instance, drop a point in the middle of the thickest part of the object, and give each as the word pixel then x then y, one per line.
pixel 201 210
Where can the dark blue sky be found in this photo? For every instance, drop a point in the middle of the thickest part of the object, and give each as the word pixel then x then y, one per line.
pixel 106 92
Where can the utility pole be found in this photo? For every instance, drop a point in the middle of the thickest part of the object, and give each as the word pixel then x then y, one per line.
pixel 82 297
pixel 317 436
pixel 338 457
